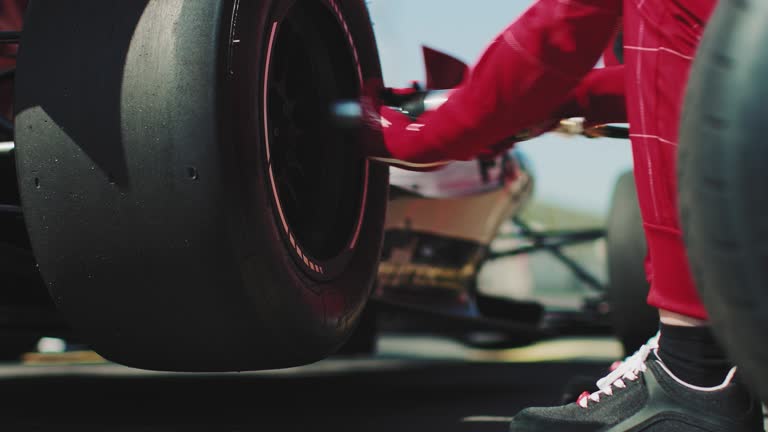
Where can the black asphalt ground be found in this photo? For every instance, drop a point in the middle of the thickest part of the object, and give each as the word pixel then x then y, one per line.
pixel 386 393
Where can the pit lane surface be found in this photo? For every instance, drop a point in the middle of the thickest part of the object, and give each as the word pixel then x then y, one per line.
pixel 413 384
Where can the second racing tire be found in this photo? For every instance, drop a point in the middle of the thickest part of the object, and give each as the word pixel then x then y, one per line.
pixel 189 206
pixel 633 320
pixel 723 181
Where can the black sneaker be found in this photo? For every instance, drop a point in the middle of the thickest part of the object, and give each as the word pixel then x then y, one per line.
pixel 643 395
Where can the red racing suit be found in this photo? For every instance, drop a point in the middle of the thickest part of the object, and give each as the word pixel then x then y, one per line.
pixel 541 68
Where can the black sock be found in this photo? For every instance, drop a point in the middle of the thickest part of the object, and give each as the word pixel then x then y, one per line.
pixel 693 355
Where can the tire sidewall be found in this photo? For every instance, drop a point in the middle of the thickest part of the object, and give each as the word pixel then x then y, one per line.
pixel 326 311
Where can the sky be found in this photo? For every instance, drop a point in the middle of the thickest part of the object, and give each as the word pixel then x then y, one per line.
pixel 577 173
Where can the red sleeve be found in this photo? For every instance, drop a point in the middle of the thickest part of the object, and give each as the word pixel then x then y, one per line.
pixel 521 79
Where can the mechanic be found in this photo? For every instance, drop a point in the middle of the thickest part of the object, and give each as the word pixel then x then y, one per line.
pixel 540 69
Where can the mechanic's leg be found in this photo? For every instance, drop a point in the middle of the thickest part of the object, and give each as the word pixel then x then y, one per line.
pixel 660 50
pixel 681 380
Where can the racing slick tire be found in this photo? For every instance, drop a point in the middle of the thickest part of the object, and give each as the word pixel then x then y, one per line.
pixel 723 180
pixel 189 206
pixel 364 340
pixel 632 319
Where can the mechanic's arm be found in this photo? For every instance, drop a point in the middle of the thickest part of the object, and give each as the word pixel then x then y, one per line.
pixel 521 79
pixel 599 99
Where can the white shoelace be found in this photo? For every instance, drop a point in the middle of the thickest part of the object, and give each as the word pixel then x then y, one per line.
pixel 628 370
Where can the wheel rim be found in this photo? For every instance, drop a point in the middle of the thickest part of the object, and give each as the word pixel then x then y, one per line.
pixel 318 177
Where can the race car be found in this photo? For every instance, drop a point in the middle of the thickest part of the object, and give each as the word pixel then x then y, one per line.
pixel 180 186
